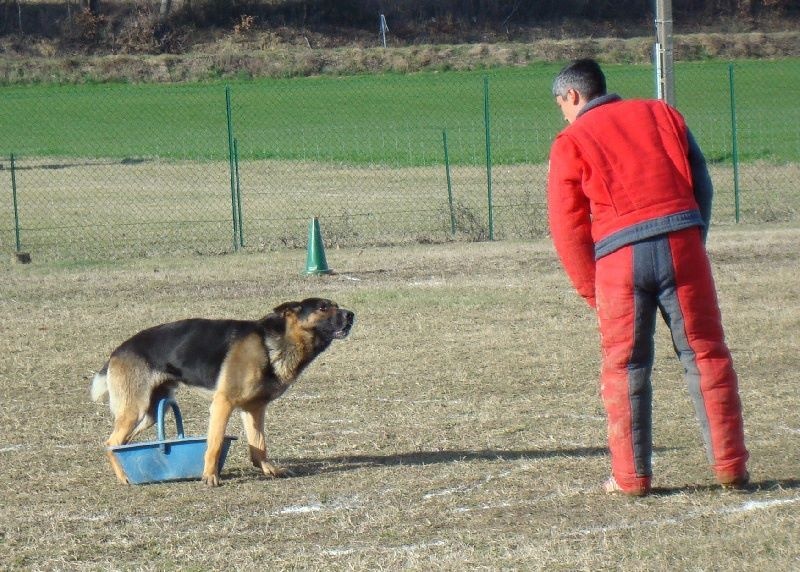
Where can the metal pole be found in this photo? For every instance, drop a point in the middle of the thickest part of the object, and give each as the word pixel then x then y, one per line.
pixel 488 154
pixel 449 185
pixel 384 28
pixel 735 150
pixel 231 167
pixel 14 199
pixel 238 191
pixel 657 65
pixel 666 77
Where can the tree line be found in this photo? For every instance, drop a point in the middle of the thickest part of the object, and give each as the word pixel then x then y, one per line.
pixel 364 14
pixel 361 13
pixel 340 12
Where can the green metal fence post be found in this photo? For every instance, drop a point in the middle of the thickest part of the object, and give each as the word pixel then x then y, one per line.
pixel 17 243
pixel 449 185
pixel 231 166
pixel 735 149
pixel 238 191
pixel 488 154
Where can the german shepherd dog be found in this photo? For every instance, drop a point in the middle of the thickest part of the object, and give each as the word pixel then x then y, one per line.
pixel 240 364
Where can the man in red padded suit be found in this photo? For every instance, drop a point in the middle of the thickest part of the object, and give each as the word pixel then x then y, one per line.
pixel 629 203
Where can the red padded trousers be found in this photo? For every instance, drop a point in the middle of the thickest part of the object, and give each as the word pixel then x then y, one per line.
pixel 668 273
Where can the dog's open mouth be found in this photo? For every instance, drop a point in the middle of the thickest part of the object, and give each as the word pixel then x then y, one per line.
pixel 344 331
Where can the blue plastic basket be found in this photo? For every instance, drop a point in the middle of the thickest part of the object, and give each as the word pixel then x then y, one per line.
pixel 166 459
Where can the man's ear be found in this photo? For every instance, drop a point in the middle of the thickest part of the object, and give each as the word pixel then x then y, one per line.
pixel 573 96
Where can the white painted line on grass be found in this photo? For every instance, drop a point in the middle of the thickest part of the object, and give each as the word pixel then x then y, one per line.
pixel 341 551
pixel 490 506
pixel 418 401
pixel 338 552
pixel 582 417
pixel 316 506
pixel 467 488
pixel 300 509
pixel 759 505
pixel 744 507
pixel 429 283
pixel 12 448
pixel 446 492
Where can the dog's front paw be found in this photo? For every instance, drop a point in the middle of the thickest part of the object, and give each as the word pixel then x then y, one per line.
pixel 210 480
pixel 278 472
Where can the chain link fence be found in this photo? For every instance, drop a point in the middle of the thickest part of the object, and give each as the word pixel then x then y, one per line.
pixel 112 171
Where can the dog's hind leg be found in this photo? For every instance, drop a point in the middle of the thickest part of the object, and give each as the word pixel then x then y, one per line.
pixel 221 409
pixel 128 383
pixel 253 421
pixel 124 427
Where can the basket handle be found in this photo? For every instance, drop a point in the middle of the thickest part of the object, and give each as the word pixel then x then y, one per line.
pixel 162 405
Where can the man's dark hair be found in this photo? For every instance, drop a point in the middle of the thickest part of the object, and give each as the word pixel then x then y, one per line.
pixel 584 76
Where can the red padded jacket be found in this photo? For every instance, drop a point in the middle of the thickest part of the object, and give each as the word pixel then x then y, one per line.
pixel 619 173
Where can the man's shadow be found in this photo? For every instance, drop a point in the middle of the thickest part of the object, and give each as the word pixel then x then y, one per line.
pixel 313 466
pixel 752 487
pixel 310 466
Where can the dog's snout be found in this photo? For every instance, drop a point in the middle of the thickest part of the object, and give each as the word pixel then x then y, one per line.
pixel 347 318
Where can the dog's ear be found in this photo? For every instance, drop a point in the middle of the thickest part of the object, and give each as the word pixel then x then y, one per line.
pixel 288 308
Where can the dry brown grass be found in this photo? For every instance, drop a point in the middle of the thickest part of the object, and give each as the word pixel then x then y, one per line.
pixel 458 428
pixel 260 55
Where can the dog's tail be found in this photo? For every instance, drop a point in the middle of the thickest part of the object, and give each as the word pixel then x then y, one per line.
pixel 100 384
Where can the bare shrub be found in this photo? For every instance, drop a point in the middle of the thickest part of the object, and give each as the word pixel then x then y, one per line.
pixel 148 33
pixel 244 25
pixel 138 34
pixel 88 28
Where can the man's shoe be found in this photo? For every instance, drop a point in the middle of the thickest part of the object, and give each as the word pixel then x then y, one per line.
pixel 737 484
pixel 610 486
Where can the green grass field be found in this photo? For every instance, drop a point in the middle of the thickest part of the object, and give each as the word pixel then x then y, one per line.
pixel 459 427
pixel 386 119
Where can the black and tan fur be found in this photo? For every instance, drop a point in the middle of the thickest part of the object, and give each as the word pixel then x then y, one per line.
pixel 241 364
